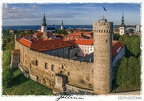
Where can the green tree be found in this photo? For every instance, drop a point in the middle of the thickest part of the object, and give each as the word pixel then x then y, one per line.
pixel 121 76
pixel 128 74
pixel 6 59
pixel 59 31
pixel 7 77
pixel 132 44
pixel 116 36
pixel 135 47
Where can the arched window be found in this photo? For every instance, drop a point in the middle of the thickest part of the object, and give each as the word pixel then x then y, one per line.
pixel 46 65
pixel 52 67
pixel 36 62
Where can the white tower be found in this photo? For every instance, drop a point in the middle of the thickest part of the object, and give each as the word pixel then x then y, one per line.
pixel 122 28
pixel 62 27
pixel 44 27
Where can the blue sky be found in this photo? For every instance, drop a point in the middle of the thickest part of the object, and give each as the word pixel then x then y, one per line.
pixel 72 14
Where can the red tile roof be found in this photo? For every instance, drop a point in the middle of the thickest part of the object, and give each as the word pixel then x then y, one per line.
pixel 115 47
pixel 114 42
pixel 38 34
pixel 44 45
pixel 25 42
pixel 84 42
pixel 62 35
pixel 48 44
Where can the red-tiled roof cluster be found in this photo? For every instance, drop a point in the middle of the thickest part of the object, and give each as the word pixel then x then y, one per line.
pixel 38 34
pixel 44 44
pixel 78 34
pixel 25 42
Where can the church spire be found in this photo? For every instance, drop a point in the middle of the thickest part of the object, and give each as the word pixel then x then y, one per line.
pixel 44 21
pixel 62 22
pixel 122 21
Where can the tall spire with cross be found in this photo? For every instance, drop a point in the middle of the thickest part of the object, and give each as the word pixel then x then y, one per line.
pixel 44 21
pixel 122 21
pixel 44 27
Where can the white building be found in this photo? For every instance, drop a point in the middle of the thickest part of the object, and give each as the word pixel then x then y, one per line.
pixel 137 28
pixel 122 28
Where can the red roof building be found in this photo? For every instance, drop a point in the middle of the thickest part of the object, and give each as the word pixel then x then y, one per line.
pixel 25 42
pixel 45 44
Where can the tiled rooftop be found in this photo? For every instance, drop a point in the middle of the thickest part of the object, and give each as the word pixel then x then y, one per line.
pixel 45 44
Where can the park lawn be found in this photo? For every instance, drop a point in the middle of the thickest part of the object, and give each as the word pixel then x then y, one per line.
pixel 26 86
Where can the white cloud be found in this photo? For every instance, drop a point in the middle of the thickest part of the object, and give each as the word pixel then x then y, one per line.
pixel 5 5
pixel 16 13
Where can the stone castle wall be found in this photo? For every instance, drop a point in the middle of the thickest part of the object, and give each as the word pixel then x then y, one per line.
pixel 45 68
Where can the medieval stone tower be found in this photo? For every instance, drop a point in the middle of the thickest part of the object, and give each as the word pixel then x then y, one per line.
pixel 102 56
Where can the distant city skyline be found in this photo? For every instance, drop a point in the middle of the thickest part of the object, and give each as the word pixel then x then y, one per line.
pixel 71 14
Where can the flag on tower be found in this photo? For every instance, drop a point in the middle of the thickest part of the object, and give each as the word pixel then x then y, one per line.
pixel 104 9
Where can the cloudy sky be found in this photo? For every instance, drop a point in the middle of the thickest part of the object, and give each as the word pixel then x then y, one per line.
pixel 72 14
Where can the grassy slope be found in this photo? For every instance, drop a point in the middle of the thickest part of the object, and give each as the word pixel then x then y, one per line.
pixel 24 86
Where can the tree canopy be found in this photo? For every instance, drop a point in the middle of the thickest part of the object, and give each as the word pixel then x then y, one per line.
pixel 128 75
pixel 128 69
pixel 59 31
pixel 132 44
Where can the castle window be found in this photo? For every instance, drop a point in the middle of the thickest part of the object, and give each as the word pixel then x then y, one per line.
pixel 36 62
pixel 62 67
pixel 90 86
pixel 37 78
pixel 106 40
pixel 68 73
pixel 58 54
pixel 60 72
pixel 46 65
pixel 52 67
